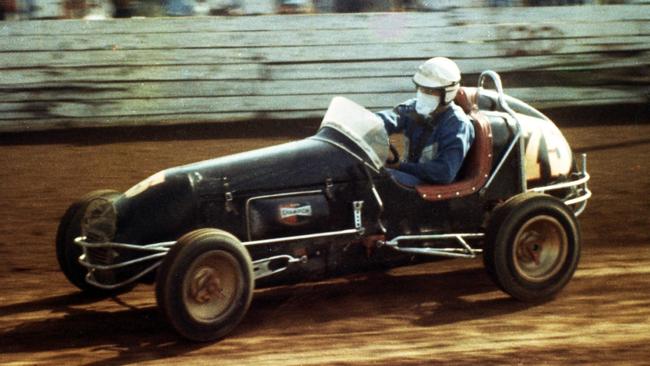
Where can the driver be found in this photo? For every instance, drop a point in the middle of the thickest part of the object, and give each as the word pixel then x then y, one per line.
pixel 438 134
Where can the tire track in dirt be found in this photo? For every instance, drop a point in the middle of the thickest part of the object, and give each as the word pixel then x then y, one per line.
pixel 447 312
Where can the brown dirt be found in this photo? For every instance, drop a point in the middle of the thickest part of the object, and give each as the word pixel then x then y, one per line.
pixel 446 312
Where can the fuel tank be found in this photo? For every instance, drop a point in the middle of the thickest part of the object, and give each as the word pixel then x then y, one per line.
pixel 547 154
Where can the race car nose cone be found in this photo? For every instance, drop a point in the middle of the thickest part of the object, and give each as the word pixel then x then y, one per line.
pixel 99 221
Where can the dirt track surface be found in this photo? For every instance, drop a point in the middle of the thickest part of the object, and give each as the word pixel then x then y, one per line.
pixel 445 312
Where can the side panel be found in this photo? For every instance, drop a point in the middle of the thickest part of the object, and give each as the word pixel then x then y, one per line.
pixel 405 212
pixel 287 215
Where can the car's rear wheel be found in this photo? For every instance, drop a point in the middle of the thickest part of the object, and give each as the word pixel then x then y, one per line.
pixel 67 252
pixel 205 284
pixel 532 247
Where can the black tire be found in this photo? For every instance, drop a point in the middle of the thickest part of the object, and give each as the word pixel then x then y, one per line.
pixel 205 284
pixel 532 246
pixel 67 252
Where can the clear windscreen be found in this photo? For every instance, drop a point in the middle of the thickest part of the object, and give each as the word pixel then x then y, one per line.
pixel 361 126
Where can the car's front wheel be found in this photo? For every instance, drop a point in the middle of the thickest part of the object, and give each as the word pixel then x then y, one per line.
pixel 67 252
pixel 205 284
pixel 532 247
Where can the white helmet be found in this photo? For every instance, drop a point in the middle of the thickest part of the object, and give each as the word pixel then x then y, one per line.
pixel 439 73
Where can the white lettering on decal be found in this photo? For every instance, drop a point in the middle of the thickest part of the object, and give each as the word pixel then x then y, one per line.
pixel 295 211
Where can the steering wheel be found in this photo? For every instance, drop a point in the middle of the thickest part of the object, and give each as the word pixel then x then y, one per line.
pixel 394 152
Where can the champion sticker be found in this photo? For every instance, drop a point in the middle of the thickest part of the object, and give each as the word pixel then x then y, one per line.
pixel 286 212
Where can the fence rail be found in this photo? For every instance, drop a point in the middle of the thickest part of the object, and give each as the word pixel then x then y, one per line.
pixel 71 73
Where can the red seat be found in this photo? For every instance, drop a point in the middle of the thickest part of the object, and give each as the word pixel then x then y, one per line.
pixel 478 162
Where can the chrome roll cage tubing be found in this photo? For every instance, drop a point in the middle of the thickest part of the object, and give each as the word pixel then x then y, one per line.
pixel 516 129
pixel 580 180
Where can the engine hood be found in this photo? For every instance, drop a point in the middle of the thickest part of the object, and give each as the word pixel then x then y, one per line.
pixel 164 205
pixel 296 164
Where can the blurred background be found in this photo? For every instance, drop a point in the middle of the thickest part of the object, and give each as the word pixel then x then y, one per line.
pixel 100 94
pixel 102 9
pixel 96 63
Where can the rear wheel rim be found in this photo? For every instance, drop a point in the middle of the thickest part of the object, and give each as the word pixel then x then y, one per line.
pixel 540 249
pixel 211 286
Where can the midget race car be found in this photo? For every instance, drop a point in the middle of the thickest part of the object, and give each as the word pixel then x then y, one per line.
pixel 211 232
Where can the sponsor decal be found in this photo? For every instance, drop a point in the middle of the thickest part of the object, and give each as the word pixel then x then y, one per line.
pixel 290 213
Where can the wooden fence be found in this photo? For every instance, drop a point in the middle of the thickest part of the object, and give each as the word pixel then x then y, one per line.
pixel 71 73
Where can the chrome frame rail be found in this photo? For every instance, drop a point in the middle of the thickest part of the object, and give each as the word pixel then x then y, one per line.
pixel 302 237
pixel 584 193
pixel 464 251
pixel 261 267
pixel 159 250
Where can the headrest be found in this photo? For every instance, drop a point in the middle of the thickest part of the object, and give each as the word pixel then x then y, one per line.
pixel 464 100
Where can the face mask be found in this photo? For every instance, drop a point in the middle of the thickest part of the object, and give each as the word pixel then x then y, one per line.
pixel 426 103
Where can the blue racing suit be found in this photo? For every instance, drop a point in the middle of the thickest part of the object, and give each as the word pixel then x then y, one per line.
pixel 449 135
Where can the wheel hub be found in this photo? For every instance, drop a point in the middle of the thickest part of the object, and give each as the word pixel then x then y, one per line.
pixel 530 249
pixel 211 286
pixel 540 248
pixel 206 286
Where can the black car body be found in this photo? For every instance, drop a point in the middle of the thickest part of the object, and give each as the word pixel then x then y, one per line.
pixel 210 232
